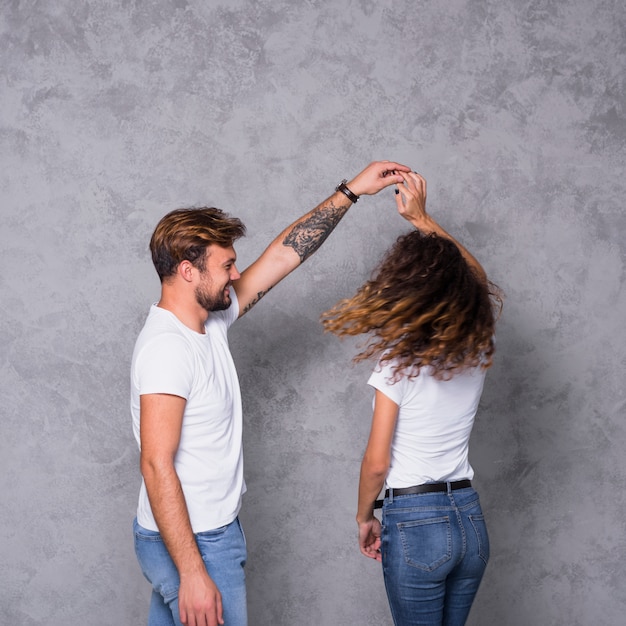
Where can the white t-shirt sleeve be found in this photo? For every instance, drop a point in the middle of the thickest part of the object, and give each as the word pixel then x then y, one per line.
pixel 382 379
pixel 165 365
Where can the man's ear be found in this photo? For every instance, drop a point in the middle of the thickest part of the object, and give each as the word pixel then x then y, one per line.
pixel 185 270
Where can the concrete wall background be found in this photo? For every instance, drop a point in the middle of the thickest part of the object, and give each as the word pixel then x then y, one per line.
pixel 113 112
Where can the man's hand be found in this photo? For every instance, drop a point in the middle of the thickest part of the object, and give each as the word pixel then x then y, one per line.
pixel 377 176
pixel 411 200
pixel 199 601
pixel 369 538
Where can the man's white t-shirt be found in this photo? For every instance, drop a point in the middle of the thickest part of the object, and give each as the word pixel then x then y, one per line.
pixel 170 358
pixel 434 424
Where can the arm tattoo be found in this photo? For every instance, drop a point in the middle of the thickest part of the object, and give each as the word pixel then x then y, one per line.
pixel 259 295
pixel 307 236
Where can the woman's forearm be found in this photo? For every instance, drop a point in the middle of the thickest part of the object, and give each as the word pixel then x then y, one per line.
pixel 370 484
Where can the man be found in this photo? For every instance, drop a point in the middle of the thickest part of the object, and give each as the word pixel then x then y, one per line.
pixel 186 403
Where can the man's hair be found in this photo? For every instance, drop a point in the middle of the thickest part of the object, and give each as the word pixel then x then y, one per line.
pixel 423 306
pixel 185 234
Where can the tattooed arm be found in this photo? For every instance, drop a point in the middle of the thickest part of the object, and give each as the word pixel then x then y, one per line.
pixel 301 239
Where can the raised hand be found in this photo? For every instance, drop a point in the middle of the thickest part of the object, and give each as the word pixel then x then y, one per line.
pixel 377 176
pixel 411 199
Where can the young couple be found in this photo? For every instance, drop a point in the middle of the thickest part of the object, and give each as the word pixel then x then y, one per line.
pixel 429 311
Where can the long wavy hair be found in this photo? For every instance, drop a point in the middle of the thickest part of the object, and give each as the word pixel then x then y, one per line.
pixel 423 306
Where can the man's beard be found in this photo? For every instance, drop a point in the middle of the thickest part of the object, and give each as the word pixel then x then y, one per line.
pixel 212 302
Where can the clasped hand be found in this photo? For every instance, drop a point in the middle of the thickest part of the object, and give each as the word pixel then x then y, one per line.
pixel 369 538
pixel 377 176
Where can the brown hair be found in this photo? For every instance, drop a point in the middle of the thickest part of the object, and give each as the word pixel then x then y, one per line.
pixel 423 306
pixel 185 234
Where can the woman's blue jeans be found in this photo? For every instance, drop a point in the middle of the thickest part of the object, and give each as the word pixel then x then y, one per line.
pixel 435 550
pixel 224 553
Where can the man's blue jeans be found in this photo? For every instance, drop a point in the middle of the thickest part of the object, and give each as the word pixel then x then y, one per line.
pixel 435 550
pixel 224 553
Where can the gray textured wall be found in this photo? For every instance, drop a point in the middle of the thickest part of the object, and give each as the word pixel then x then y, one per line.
pixel 113 112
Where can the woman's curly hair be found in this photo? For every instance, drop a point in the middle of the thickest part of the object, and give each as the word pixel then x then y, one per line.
pixel 423 306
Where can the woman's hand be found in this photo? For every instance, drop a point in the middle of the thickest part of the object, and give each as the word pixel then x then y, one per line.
pixel 369 538
pixel 411 198
pixel 411 203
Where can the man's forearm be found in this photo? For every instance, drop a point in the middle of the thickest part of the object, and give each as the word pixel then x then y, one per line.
pixel 307 234
pixel 199 599
pixel 289 249
pixel 170 513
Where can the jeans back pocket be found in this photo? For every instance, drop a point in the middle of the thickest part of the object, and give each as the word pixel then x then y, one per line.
pixel 426 543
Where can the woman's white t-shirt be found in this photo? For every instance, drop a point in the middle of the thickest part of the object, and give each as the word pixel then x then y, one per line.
pixel 435 419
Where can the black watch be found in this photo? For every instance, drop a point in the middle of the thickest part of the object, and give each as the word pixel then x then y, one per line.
pixel 344 189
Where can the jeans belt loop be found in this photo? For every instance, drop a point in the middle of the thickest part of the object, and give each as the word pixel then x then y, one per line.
pixel 390 495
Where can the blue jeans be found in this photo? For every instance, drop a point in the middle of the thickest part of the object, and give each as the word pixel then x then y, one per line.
pixel 434 550
pixel 224 553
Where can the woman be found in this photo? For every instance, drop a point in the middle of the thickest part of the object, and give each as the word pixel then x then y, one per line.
pixel 430 314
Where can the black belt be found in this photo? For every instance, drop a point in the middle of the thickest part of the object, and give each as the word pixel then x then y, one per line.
pixel 425 488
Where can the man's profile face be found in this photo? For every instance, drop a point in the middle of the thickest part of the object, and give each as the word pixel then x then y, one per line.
pixel 213 292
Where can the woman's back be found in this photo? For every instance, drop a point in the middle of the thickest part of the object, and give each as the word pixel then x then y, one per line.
pixel 434 424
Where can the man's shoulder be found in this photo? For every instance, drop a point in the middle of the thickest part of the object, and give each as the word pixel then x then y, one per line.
pixel 161 331
pixel 161 320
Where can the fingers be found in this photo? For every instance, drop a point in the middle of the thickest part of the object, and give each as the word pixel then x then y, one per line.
pixel 414 178
pixel 220 611
pixel 393 168
pixel 417 176
pixel 405 190
pixel 393 171
pixel 392 177
pixel 370 553
pixel 379 175
pixel 420 182
pixel 208 615
pixel 370 545
pixel 414 185
pixel 399 198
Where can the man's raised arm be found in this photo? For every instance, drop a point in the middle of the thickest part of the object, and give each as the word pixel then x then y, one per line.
pixel 301 239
